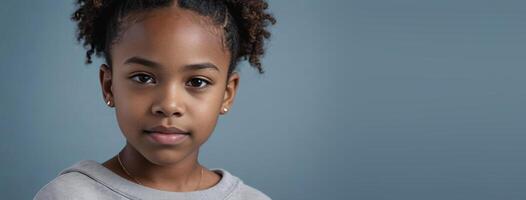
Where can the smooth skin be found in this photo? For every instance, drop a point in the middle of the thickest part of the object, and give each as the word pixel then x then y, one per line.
pixel 169 68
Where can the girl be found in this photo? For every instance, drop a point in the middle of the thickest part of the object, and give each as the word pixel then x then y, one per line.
pixel 169 73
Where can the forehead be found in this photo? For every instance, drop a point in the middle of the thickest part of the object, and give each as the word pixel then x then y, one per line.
pixel 171 36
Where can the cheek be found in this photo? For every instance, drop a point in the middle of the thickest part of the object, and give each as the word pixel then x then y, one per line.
pixel 204 111
pixel 130 108
pixel 205 107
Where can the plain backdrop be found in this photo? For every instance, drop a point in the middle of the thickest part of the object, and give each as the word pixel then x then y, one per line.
pixel 362 99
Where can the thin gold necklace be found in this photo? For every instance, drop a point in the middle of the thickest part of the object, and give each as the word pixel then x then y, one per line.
pixel 127 173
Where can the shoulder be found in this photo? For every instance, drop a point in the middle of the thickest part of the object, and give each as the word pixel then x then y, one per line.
pixel 247 192
pixel 66 186
pixel 240 189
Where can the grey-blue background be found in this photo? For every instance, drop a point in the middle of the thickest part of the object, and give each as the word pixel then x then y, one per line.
pixel 407 99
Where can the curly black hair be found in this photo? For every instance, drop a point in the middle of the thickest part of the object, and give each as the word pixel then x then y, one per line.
pixel 99 23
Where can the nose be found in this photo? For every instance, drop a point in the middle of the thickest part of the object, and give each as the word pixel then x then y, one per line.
pixel 169 103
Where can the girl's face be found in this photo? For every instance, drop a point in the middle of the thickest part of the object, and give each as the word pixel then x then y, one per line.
pixel 169 69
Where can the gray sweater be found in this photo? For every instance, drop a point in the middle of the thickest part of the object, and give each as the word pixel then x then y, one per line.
pixel 88 179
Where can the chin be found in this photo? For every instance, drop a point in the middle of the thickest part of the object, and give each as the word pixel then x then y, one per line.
pixel 165 156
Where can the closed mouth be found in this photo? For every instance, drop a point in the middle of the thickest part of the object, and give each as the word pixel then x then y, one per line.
pixel 166 130
pixel 166 138
pixel 183 133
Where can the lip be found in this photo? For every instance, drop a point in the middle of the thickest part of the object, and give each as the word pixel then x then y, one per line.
pixel 166 130
pixel 167 135
pixel 167 139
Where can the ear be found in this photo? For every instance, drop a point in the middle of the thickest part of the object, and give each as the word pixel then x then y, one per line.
pixel 106 83
pixel 230 91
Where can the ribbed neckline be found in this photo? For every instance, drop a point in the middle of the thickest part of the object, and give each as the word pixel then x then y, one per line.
pixel 132 190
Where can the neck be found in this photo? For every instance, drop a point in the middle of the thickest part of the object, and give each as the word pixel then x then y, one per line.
pixel 179 176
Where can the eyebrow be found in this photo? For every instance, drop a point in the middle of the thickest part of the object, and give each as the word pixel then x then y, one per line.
pixel 153 64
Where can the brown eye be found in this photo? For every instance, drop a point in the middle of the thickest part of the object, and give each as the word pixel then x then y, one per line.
pixel 197 83
pixel 142 78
